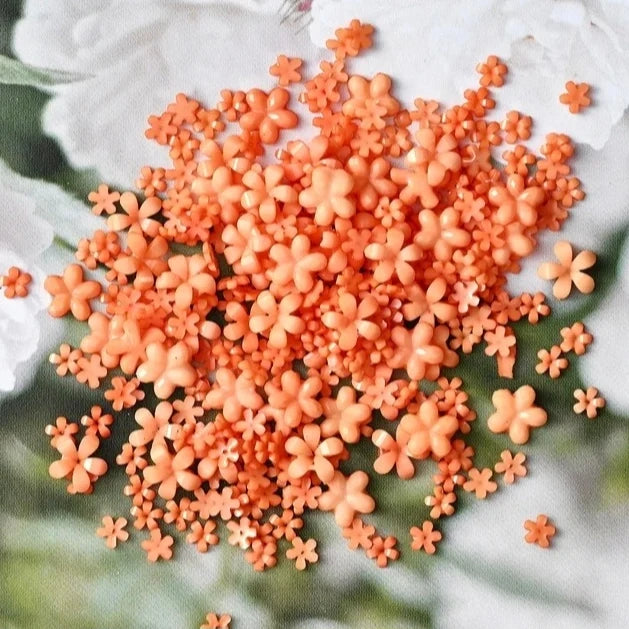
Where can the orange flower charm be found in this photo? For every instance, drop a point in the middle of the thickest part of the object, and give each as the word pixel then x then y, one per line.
pixel 346 496
pixel 167 369
pixel 425 538
pixel 268 114
pixel 328 195
pixel 516 413
pixel 286 70
pixel 512 467
pixel 77 464
pixel 70 293
pixel 540 531
pixel 551 362
pixel 588 402
pixel 113 531
pixel 157 546
pixel 575 96
pixel 171 471
pixel 16 282
pixel 569 270
pixel 311 453
pixel 479 482
pixel 302 552
pixel 428 432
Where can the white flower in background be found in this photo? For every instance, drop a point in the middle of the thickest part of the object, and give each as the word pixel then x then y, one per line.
pixel 29 210
pixel 431 49
pixel 137 56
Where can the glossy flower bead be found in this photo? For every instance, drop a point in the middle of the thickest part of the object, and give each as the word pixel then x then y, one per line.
pixel 71 293
pixel 286 70
pixel 540 531
pixel 516 413
pixel 77 463
pixel 167 369
pixel 569 270
pixel 313 453
pixel 268 114
pixel 328 195
pixel 346 496
pixel 588 402
pixel 575 338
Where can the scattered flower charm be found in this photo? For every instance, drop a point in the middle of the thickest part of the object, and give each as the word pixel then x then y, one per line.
pixel 575 96
pixel 425 538
pixel 510 466
pixel 588 402
pixel 113 531
pixel 214 621
pixel 302 552
pixel 16 283
pixel 569 270
pixel 540 531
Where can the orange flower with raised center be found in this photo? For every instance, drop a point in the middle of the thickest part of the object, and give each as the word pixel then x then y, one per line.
pixel 569 270
pixel 328 195
pixel 352 322
pixel 268 114
pixel 516 413
pixel 297 263
pixel 393 256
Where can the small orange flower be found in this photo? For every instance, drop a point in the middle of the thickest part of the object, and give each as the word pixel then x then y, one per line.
pixel 359 534
pixel 103 200
pixel 96 423
pixel 588 402
pixel 213 621
pixel 492 71
pixel 425 538
pixel 61 428
pixel 575 96
pixel 575 338
pixel 302 552
pixel 540 531
pixel 383 550
pixel 66 359
pixel 158 547
pixel 113 531
pixel 202 535
pixel 551 362
pixel 511 466
pixel 479 482
pixel 569 270
pixel 124 393
pixel 346 496
pixel 286 70
pixel 90 371
pixel 351 40
pixel 16 282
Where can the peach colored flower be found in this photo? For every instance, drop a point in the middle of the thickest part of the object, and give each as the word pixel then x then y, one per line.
pixel 427 431
pixel 516 413
pixel 328 195
pixel 588 402
pixel 425 538
pixel 77 464
pixel 512 467
pixel 167 368
pixel 346 496
pixel 113 531
pixel 352 321
pixel 312 453
pixel 569 270
pixel 70 293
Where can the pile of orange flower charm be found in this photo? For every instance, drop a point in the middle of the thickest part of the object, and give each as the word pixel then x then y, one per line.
pixel 275 302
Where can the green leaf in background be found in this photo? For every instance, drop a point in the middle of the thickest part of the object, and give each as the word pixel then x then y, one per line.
pixel 14 72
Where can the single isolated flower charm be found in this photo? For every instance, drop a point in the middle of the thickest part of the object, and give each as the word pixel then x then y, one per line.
pixel 540 531
pixel 588 402
pixel 569 270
